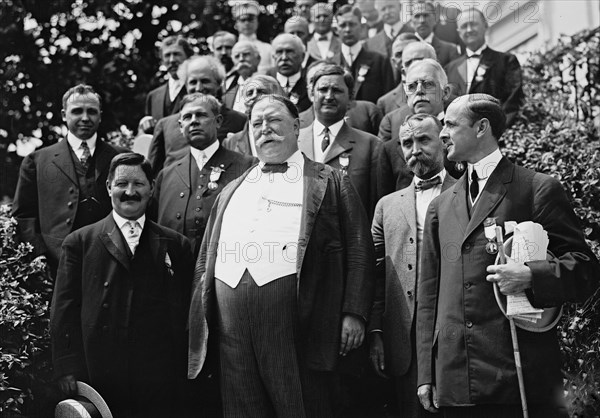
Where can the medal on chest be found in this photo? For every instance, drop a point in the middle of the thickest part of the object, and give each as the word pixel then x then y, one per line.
pixel 214 176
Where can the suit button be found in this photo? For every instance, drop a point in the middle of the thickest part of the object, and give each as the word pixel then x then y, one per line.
pixel 197 221
pixel 469 324
pixel 411 240
pixel 467 285
pixel 409 293
pixel 105 284
pixel 181 194
pixel 178 216
pixel 197 209
pixel 198 197
pixel 105 305
pixel 71 190
pixel 70 204
pixel 468 246
pixel 68 221
pixel 201 175
pixel 410 266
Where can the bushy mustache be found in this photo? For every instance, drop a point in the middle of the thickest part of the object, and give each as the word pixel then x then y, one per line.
pixel 130 198
pixel 269 137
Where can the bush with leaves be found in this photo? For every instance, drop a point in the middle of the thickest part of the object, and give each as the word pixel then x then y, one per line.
pixel 25 291
pixel 557 134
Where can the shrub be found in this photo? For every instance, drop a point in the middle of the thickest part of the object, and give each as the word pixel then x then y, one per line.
pixel 557 134
pixel 25 291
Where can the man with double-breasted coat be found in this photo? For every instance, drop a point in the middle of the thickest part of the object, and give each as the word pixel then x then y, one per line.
pixel 119 308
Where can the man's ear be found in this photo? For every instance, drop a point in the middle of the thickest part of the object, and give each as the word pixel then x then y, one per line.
pixel 219 120
pixel 64 115
pixel 484 127
pixel 311 94
pixel 446 91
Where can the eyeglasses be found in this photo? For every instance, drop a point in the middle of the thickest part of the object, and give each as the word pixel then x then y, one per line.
pixel 412 87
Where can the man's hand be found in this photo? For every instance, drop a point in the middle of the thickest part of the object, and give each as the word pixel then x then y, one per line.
pixel 353 333
pixel 68 385
pixel 376 354
pixel 428 397
pixel 511 277
pixel 147 124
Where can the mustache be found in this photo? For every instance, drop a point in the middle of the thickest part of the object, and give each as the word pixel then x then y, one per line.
pixel 130 198
pixel 270 137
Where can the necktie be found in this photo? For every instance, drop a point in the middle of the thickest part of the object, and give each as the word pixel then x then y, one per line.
pixel 325 141
pixel 85 157
pixel 202 161
pixel 350 58
pixel 274 168
pixel 428 184
pixel 287 87
pixel 132 235
pixel 392 34
pixel 474 56
pixel 474 187
pixel 322 38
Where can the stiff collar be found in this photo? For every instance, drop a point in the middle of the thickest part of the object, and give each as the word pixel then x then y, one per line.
pixel 429 39
pixel 441 174
pixel 283 80
pixel 486 165
pixel 478 52
pixel 295 159
pixel 334 129
pixel 397 27
pixel 329 35
pixel 354 49
pixel 75 142
pixel 208 151
pixel 120 221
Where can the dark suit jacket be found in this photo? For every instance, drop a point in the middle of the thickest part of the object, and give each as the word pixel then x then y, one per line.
pixel 463 340
pixel 445 51
pixel 168 139
pixel 392 100
pixel 376 72
pixel 382 44
pixel 230 93
pixel 392 121
pixel 178 201
pixel 362 150
pixel 446 28
pixel 502 79
pixel 299 94
pixel 47 195
pixel 334 53
pixel 158 102
pixel 335 268
pixel 394 232
pixel 92 299
pixel 361 115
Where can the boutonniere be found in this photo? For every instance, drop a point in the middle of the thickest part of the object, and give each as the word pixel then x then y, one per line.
pixel 168 264
pixel 215 175
pixel 481 70
pixel 344 161
pixel 294 98
pixel 329 55
pixel 362 72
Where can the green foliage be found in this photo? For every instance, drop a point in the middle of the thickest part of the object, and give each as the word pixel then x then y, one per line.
pixel 25 292
pixel 557 134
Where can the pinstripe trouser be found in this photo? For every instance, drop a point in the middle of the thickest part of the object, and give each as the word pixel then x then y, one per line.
pixel 261 373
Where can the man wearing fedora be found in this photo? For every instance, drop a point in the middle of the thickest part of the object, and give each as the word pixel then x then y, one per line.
pixel 120 303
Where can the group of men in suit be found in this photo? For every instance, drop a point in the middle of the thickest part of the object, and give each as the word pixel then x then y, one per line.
pixel 273 203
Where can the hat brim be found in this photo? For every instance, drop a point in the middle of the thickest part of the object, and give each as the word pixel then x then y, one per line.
pixel 85 390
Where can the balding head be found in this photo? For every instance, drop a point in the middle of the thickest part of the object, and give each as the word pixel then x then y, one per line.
pixel 297 25
pixel 288 54
pixel 417 51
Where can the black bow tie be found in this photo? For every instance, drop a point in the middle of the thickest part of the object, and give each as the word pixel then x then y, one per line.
pixel 428 184
pixel 474 56
pixel 274 168
pixel 322 38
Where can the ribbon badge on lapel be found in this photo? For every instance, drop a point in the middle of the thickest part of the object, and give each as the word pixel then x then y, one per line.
pixel 481 70
pixel 294 98
pixel 362 72
pixel 489 230
pixel 344 160
pixel 168 264
pixel 214 177
pixel 329 55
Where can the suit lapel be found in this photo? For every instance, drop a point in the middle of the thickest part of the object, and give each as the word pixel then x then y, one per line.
pixel 362 60
pixel 459 204
pixel 103 157
pixel 306 142
pixel 219 159
pixel 344 141
pixel 493 192
pixel 461 69
pixel 114 242
pixel 182 169
pixel 485 62
pixel 62 159
pixel 399 95
pixel 315 186
pixel 407 205
pixel 157 244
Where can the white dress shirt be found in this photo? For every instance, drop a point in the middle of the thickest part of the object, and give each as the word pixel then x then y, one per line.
pixel 422 200
pixel 175 87
pixel 397 27
pixel 288 82
pixel 202 156
pixel 429 39
pixel 75 144
pixel 324 45
pixel 351 52
pixel 484 169
pixel 261 226
pixel 318 129
pixel 123 225
pixel 473 64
